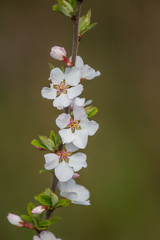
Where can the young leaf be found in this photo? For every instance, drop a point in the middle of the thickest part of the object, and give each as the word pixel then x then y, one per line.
pixel 84 23
pixel 73 3
pixel 47 142
pixel 38 145
pixel 30 207
pixel 54 198
pixel 27 218
pixel 44 170
pixel 63 203
pixel 88 28
pixel 91 111
pixel 53 137
pixel 51 66
pixel 44 199
pixel 64 7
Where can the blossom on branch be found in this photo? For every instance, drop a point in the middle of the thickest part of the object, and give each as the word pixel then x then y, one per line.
pixel 65 163
pixel 76 128
pixel 74 192
pixel 64 87
pixel 15 220
pixel 46 235
pixel 39 209
pixel 59 53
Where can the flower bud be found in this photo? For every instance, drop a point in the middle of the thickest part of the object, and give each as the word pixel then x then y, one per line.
pixel 58 53
pixel 39 209
pixel 15 220
pixel 75 175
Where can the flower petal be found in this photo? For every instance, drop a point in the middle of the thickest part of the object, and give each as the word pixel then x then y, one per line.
pixel 79 101
pixel 61 101
pixel 71 147
pixel 79 113
pixel 90 126
pixel 64 172
pixel 74 91
pixel 79 62
pixel 51 160
pixel 89 73
pixel 72 76
pixel 49 93
pixel 46 235
pixel 56 76
pixel 63 120
pixel 83 193
pixel 67 135
pixel 77 161
pixel 67 186
pixel 36 238
pixel 86 203
pixel 81 138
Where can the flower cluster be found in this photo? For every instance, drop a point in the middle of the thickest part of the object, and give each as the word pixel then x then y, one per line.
pixel 64 158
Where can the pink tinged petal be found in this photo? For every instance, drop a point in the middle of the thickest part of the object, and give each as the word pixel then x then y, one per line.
pixel 61 101
pixel 79 62
pixel 15 220
pixel 79 112
pixel 36 238
pixel 38 210
pixel 71 147
pixel 81 138
pixel 63 120
pixel 67 135
pixel 72 76
pixel 79 101
pixel 49 93
pixel 77 161
pixel 63 172
pixel 74 91
pixel 58 53
pixel 46 235
pixel 75 175
pixel 51 160
pixel 56 76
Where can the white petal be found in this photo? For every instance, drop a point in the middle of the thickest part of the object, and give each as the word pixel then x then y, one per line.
pixel 81 138
pixel 61 101
pixel 79 62
pixel 86 203
pixel 67 186
pixel 46 235
pixel 74 91
pixel 79 101
pixel 15 220
pixel 88 102
pixel 79 113
pixel 90 126
pixel 72 76
pixel 57 76
pixel 71 147
pixel 67 135
pixel 51 160
pixel 83 193
pixel 63 172
pixel 69 195
pixel 89 73
pixel 36 238
pixel 63 120
pixel 49 93
pixel 77 161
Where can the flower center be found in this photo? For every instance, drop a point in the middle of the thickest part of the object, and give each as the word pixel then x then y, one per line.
pixel 61 88
pixel 74 124
pixel 64 156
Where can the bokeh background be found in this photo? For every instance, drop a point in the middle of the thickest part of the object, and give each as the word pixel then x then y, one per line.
pixel 123 171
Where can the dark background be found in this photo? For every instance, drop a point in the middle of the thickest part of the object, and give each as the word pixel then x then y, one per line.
pixel 123 171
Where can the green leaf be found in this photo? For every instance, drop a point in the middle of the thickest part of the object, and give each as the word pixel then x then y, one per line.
pixel 30 207
pixel 91 111
pixel 63 203
pixel 53 137
pixel 62 68
pixel 44 199
pixel 64 7
pixel 27 218
pixel 84 23
pixel 73 3
pixel 44 171
pixel 51 66
pixel 38 145
pixel 47 142
pixel 54 197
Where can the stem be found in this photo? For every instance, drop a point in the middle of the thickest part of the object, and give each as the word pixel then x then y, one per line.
pixel 75 32
pixel 75 20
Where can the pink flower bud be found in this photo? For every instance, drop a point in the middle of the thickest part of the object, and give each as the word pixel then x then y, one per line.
pixel 58 53
pixel 15 220
pixel 75 175
pixel 39 209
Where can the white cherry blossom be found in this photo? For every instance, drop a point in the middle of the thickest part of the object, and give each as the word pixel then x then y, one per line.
pixel 64 87
pixel 46 235
pixel 65 163
pixel 76 128
pixel 15 220
pixel 80 102
pixel 74 192
pixel 86 71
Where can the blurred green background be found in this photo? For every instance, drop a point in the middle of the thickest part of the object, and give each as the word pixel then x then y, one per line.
pixel 123 171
